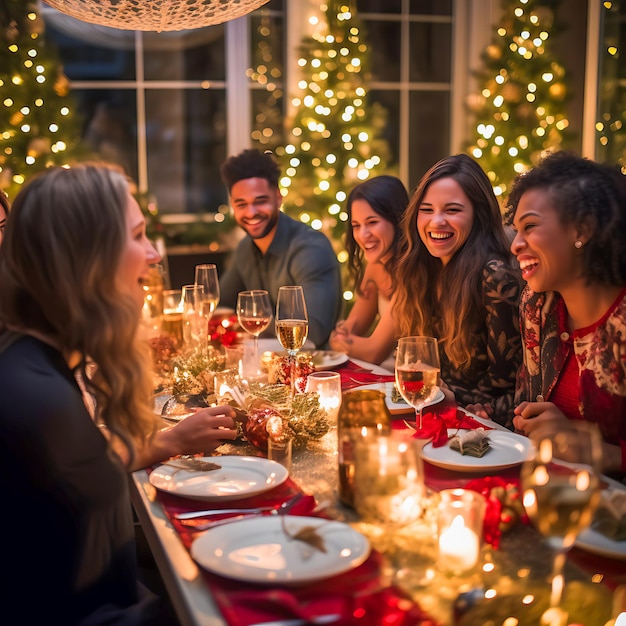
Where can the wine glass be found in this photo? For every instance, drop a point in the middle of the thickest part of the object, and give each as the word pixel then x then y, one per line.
pixel 194 323
pixel 206 275
pixel 254 312
pixel 561 488
pixel 417 371
pixel 292 324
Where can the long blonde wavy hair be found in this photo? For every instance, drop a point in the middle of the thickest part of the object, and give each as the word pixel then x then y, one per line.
pixel 446 301
pixel 58 265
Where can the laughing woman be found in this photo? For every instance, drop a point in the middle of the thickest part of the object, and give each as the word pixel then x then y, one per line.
pixel 457 282
pixel 570 218
pixel 375 208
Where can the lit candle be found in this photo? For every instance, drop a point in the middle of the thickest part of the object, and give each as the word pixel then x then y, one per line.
pixel 458 546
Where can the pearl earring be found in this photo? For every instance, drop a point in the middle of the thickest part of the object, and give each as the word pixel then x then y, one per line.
pixel 578 244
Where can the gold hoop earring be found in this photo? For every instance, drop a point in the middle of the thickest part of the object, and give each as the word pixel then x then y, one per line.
pixel 578 244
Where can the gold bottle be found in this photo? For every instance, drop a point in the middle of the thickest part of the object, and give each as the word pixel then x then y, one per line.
pixel 362 410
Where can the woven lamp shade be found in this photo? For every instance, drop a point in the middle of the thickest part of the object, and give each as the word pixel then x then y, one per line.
pixel 155 15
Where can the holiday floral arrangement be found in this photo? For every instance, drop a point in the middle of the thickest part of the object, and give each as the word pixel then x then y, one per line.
pixel 272 412
pixel 268 408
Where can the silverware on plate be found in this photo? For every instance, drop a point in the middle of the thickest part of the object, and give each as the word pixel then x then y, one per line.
pixel 321 619
pixel 272 510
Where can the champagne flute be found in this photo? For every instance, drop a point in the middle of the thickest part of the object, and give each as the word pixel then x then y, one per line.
pixel 417 371
pixel 561 498
pixel 194 323
pixel 292 324
pixel 206 275
pixel 254 312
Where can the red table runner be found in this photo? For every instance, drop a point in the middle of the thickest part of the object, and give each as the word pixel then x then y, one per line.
pixel 359 596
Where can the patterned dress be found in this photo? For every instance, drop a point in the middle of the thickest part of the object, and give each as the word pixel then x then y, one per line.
pixel 489 378
pixel 600 353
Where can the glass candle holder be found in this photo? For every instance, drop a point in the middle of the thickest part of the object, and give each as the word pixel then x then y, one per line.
pixel 460 529
pixel 388 478
pixel 327 385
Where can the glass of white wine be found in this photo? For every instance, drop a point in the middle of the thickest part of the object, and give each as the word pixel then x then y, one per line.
pixel 292 324
pixel 417 371
pixel 254 312
pixel 561 489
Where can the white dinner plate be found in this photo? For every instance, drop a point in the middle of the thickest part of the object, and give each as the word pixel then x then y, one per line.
pixel 597 543
pixel 328 359
pixel 400 408
pixel 258 550
pixel 507 450
pixel 238 477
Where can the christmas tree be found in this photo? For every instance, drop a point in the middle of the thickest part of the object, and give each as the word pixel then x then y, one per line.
pixel 520 112
pixel 334 137
pixel 38 126
pixel 610 126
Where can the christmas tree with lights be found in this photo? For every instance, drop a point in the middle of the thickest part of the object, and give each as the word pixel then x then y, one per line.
pixel 334 138
pixel 38 127
pixel 520 112
pixel 611 125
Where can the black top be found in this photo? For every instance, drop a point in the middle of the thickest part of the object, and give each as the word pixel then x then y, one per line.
pixel 66 524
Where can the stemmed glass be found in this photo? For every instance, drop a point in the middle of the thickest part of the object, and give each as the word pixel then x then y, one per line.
pixel 254 312
pixel 561 498
pixel 194 324
pixel 206 275
pixel 417 371
pixel 292 325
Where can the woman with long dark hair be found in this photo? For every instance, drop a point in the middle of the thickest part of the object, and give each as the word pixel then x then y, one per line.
pixel 457 281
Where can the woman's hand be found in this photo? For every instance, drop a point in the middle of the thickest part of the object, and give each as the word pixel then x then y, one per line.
pixel 530 416
pixel 205 430
pixel 201 432
pixel 340 340
pixel 481 410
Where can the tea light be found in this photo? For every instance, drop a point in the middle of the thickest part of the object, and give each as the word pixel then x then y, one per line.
pixel 327 385
pixel 460 523
pixel 458 546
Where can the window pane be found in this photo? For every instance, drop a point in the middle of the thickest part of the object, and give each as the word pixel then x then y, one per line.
pixel 384 41
pixel 268 118
pixel 429 131
pixel 110 125
pixel 91 52
pixel 431 46
pixel 611 140
pixel 379 6
pixel 186 55
pixel 267 72
pixel 186 146
pixel 390 101
pixel 431 7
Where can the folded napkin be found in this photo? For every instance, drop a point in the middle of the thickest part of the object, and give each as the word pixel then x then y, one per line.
pixel 436 422
pixel 353 375
pixel 356 597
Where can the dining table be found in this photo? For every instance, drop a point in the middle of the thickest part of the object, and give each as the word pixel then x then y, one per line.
pixel 398 581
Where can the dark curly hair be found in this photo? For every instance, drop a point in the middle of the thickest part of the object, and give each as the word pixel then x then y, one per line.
pixel 250 164
pixel 388 198
pixel 588 194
